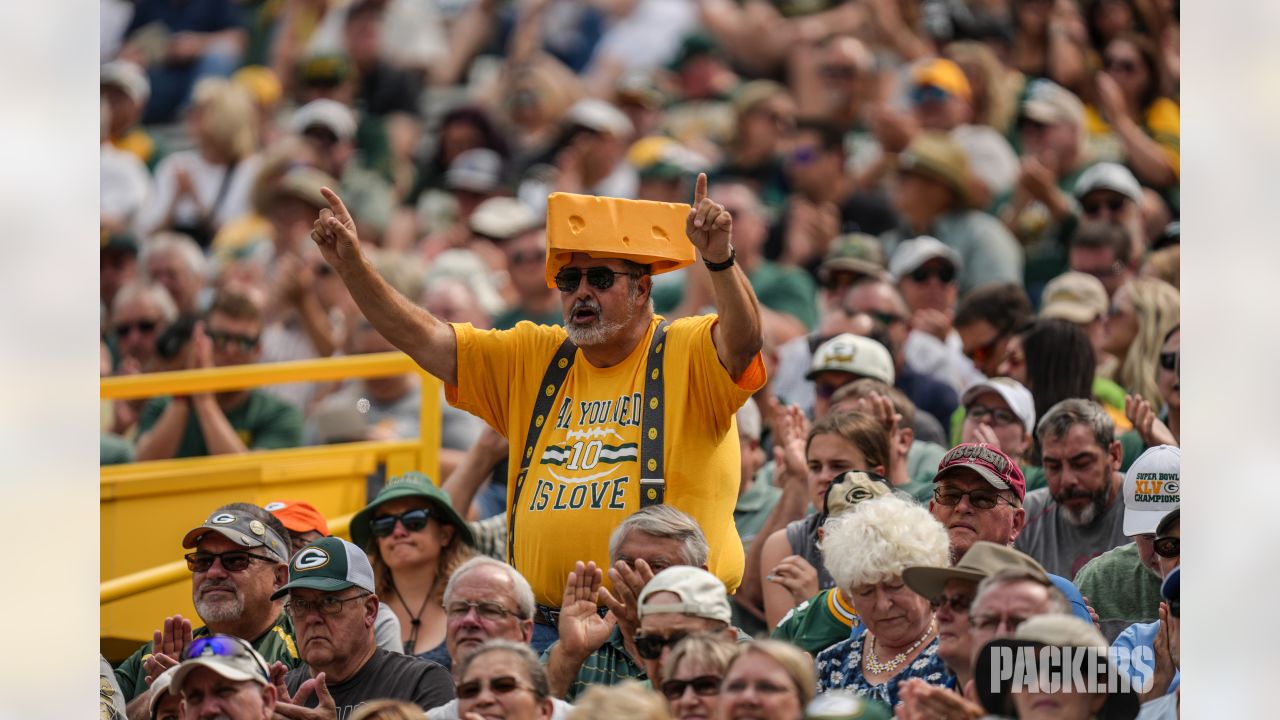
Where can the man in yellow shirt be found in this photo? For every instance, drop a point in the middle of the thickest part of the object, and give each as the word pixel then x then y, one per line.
pixel 617 409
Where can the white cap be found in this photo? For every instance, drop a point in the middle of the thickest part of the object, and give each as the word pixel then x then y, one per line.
pixel 1152 489
pixel 128 77
pixel 1109 176
pixel 502 218
pixel 159 689
pixel 701 594
pixel 478 170
pixel 911 254
pixel 855 354
pixel 1013 392
pixel 329 114
pixel 749 419
pixel 600 116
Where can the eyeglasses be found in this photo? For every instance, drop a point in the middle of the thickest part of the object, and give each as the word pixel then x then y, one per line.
pixel 886 318
pixel 224 646
pixel 650 646
pixel 1094 207
pixel 1167 547
pixel 999 417
pixel 412 520
pixel 223 340
pixel 991 623
pixel 958 603
pixel 330 605
pixel 704 685
pixel 928 94
pixel 500 685
pixel 144 327
pixel 946 274
pixel 232 561
pixel 825 390
pixel 980 499
pixel 486 610
pixel 1169 360
pixel 600 278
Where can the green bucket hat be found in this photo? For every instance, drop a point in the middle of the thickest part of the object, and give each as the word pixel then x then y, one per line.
pixel 408 485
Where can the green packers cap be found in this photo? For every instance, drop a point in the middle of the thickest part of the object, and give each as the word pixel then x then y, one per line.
pixel 243 530
pixel 408 485
pixel 329 565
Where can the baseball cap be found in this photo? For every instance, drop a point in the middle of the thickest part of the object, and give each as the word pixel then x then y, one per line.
pixel 124 242
pixel 304 182
pixel 855 354
pixel 936 156
pixel 243 530
pixel 853 252
pixel 851 488
pixel 1074 296
pixel 749 421
pixel 261 82
pixel 159 688
pixel 128 77
pixel 845 705
pixel 229 656
pixel 1108 176
pixel 1049 103
pixel 329 565
pixel 982 559
pixel 1012 392
pixel 993 465
pixel 502 218
pixel 329 114
pixel 408 485
pixel 1152 489
pixel 943 74
pixel 911 254
pixel 298 516
pixel 596 114
pixel 324 70
pixel 477 170
pixel 1078 606
pixel 701 594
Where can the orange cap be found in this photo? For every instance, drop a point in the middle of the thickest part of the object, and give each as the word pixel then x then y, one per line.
pixel 298 516
pixel 944 74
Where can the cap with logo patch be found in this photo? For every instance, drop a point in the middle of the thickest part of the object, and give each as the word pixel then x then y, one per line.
pixel 298 516
pixel 1152 489
pixel 853 354
pixel 701 594
pixel 243 530
pixel 994 466
pixel 857 253
pixel 851 488
pixel 328 565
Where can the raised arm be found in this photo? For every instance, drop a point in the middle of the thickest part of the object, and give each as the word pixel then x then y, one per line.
pixel 737 336
pixel 418 333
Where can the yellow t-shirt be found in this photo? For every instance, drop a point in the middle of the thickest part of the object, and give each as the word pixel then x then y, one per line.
pixel 584 476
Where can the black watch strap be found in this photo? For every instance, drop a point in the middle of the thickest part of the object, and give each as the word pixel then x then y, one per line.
pixel 718 266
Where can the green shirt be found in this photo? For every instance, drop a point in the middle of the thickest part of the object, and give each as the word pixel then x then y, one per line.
pixel 263 422
pixel 274 644
pixel 608 665
pixel 1121 589
pixel 786 289
pixel 817 623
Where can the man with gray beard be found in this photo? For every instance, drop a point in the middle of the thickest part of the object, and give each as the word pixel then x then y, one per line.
pixel 239 560
pixel 1079 515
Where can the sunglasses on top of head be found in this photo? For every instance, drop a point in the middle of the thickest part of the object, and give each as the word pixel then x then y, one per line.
pixel 600 278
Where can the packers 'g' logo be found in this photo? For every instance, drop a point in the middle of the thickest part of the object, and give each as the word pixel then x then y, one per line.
pixel 310 559
pixel 1171 487
pixel 272 507
pixel 223 519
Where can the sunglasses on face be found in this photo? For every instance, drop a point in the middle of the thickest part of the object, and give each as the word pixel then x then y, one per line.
pixel 958 603
pixel 1167 547
pixel 704 685
pixel 979 499
pixel 500 685
pixel 144 327
pixel 804 155
pixel 412 520
pixel 928 94
pixel 330 606
pixel 233 561
pixel 1094 207
pixel 946 274
pixel 650 646
pixel 1169 360
pixel 998 417
pixel 223 646
pixel 224 340
pixel 485 610
pixel 600 278
pixel 886 318
pixel 983 354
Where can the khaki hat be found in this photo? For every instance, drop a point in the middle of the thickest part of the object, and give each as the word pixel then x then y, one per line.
pixel 128 77
pixel 160 688
pixel 1049 103
pixel 304 183
pixel 328 114
pixel 502 218
pixel 243 530
pixel 701 594
pixel 911 254
pixel 854 354
pixel 853 252
pixel 935 156
pixel 1075 297
pixel 944 74
pixel 982 560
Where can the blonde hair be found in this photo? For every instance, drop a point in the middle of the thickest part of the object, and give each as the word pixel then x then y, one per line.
pixel 886 536
pixel 998 104
pixel 229 116
pixel 387 710
pixel 794 661
pixel 1158 308
pixel 628 700
pixel 706 650
pixel 1165 264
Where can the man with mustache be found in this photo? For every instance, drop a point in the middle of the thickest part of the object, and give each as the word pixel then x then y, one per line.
pixel 1079 515
pixel 615 411
pixel 238 561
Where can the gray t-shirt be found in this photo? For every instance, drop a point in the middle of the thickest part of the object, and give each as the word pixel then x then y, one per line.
pixel 802 535
pixel 1063 548
pixel 386 675
pixel 449 711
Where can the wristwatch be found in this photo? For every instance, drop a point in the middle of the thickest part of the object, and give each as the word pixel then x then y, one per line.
pixel 725 265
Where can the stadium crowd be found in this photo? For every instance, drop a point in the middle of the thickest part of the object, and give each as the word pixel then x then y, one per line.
pixel 929 414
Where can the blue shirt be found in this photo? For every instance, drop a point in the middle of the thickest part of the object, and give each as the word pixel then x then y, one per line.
pixel 1142 635
pixel 840 667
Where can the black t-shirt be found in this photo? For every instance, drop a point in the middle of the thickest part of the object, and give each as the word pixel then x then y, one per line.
pixel 386 675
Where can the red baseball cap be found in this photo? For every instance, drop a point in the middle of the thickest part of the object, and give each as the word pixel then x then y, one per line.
pixel 988 461
pixel 298 516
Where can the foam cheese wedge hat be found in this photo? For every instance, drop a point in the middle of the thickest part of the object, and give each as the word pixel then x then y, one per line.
pixel 642 231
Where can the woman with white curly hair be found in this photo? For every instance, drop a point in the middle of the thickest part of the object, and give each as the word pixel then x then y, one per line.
pixel 898 638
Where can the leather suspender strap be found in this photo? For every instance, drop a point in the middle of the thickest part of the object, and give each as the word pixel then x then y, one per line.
pixel 552 380
pixel 652 469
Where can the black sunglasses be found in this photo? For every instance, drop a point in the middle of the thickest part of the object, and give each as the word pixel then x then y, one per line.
pixel 232 561
pixel 946 274
pixel 1169 360
pixel 600 278
pixel 979 499
pixel 1167 547
pixel 1093 207
pixel 650 646
pixel 703 685
pixel 412 520
pixel 146 327
pixel 500 685
pixel 959 603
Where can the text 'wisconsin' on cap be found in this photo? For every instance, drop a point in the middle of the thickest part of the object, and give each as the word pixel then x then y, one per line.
pixel 989 462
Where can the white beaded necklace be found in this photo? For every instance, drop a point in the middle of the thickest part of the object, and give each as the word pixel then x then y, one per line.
pixel 878 668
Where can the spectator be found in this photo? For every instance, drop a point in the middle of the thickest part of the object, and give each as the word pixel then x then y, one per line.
pixel 485 675
pixel 1004 601
pixel 118 265
pixel 140 312
pixel 757 495
pixel 239 561
pixel 925 271
pixel 163 705
pixel 342 664
pixel 1053 359
pixel 694 670
pixel 175 262
pixel 1143 313
pixel 223 676
pixel 916 439
pixel 1081 299
pixel 224 423
pixel 1163 427
pixel 765 121
pixel 522 237
pixel 987 319
pixel 677 602
pixel 1000 412
pixel 1133 105
pixel 123 182
pixel 124 86
pixel 394 402
pixel 1108 195
pixel 592 157
pixel 978 496
pixel 843 359
pixel 628 700
pixel 765 664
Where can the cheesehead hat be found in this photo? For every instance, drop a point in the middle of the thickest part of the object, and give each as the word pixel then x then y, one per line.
pixel 642 231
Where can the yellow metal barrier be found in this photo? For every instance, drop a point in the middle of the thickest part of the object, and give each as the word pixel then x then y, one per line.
pixel 147 507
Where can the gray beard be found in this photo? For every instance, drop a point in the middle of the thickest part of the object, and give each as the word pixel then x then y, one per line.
pixel 598 332
pixel 1091 512
pixel 222 610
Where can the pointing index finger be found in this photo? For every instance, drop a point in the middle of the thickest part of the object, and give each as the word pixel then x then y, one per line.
pixel 335 202
pixel 700 190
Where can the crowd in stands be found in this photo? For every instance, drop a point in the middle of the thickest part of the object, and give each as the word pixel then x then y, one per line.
pixel 942 402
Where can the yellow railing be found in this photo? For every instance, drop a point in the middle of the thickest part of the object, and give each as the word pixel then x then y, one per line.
pixel 146 507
